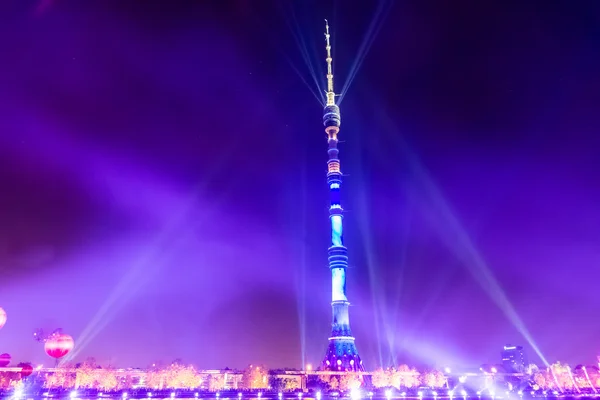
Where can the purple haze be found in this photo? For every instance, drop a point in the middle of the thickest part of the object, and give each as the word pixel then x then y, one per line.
pixel 163 183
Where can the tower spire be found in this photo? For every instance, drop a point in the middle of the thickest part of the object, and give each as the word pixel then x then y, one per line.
pixel 330 92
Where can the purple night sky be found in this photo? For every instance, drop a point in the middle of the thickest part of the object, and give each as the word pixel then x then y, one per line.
pixel 163 196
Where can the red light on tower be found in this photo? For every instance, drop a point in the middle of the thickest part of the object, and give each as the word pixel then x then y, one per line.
pixel 59 345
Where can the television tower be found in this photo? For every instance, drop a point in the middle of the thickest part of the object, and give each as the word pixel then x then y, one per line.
pixel 341 353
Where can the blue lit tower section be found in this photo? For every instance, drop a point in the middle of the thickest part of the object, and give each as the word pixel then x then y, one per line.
pixel 341 352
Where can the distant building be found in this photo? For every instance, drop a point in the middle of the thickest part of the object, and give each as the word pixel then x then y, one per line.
pixel 513 358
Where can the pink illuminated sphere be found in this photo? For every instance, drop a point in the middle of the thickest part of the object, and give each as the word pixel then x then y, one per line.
pixel 2 317
pixel 59 345
pixel 5 360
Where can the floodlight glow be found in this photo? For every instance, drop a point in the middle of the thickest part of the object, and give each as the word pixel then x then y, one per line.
pixel 239 395
pixel 318 395
pixel 355 394
pixel 388 394
pixel 217 394
pixel 494 370
pixel 172 395
pixel 259 395
pixel 149 394
pixel 196 394
pixel 299 395
pixel 420 394
pixel 462 379
pixel 280 395
pixel 124 395
pixel 463 392
pixel 447 370
pixel 100 394
pixel 73 395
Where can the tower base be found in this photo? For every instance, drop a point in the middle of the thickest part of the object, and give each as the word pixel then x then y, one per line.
pixel 342 355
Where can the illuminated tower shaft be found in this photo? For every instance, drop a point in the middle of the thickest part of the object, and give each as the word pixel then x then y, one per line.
pixel 341 352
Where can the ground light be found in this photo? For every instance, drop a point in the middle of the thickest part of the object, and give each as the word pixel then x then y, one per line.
pixel 318 395
pixel 279 395
pixel 388 394
pixel 18 393
pixel 355 394
pixel 73 395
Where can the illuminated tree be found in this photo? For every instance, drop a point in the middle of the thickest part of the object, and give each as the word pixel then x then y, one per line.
pixel 255 377
pixel 433 379
pixel 382 378
pixel 216 382
pixel 562 376
pixel 331 381
pixel 7 379
pixel 594 375
pixel 539 378
pixel 349 381
pixel 61 378
pixel 178 376
pixel 155 379
pixel 290 384
pixel 108 380
pixel 283 384
pixel 85 374
pixel 404 377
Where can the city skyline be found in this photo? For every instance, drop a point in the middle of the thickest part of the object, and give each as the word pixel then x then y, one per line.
pixel 164 169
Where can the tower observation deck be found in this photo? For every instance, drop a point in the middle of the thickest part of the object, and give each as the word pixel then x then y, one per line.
pixel 342 354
